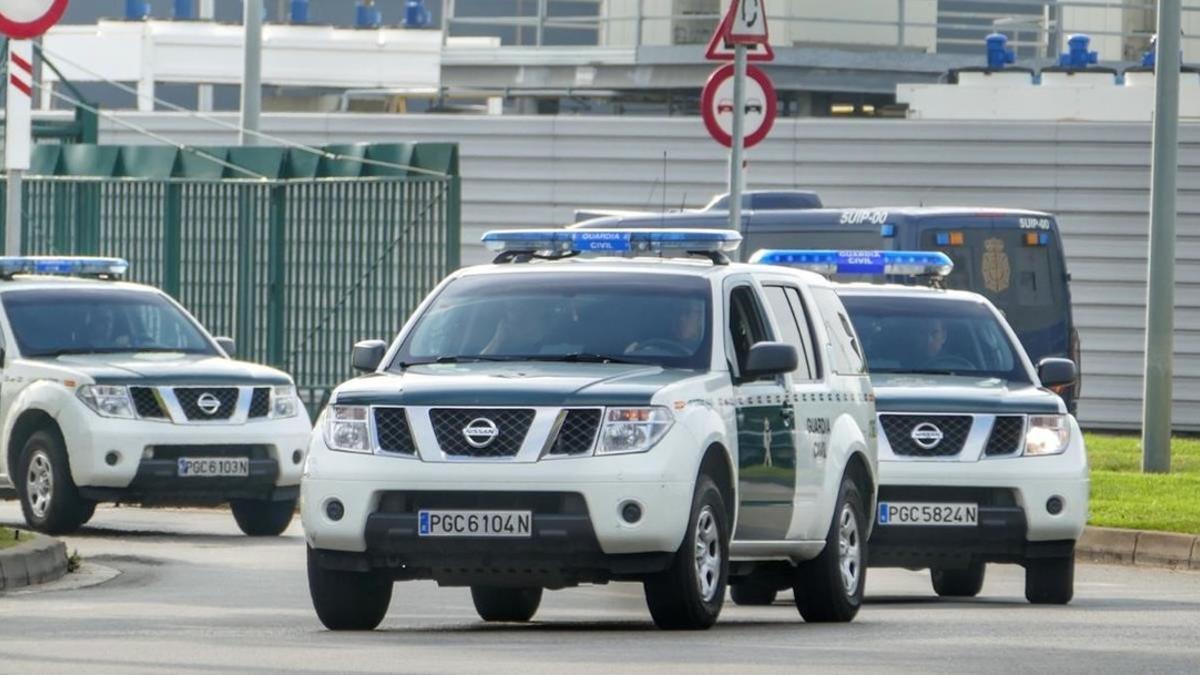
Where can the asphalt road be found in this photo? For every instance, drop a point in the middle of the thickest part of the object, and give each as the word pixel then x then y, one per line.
pixel 196 596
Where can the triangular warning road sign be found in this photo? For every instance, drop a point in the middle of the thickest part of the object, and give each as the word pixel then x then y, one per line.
pixel 720 47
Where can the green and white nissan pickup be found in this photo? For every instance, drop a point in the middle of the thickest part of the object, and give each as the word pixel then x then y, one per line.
pixel 112 392
pixel 556 419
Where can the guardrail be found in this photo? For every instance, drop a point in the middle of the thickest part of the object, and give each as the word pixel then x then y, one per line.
pixel 1040 26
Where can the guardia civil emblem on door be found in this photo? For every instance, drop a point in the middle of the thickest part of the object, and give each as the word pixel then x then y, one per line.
pixel 997 271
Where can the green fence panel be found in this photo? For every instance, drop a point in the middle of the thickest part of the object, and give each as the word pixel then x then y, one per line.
pixel 344 168
pixel 90 160
pixel 296 270
pixel 202 162
pixel 148 161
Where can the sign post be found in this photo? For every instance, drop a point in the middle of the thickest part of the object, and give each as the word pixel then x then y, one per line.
pixel 744 26
pixel 21 21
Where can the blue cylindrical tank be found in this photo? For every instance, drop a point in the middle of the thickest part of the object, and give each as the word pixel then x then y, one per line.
pixel 998 53
pixel 136 10
pixel 416 15
pixel 185 9
pixel 367 16
pixel 1077 54
pixel 299 11
pixel 1151 56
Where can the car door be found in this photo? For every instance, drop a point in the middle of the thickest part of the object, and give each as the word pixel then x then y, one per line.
pixel 810 393
pixel 765 418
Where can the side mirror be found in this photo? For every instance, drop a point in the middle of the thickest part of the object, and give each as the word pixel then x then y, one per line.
pixel 227 345
pixel 1057 372
pixel 367 355
pixel 771 358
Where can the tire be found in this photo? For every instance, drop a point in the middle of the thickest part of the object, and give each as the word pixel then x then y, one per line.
pixel 263 518
pixel 1050 581
pixel 689 594
pixel 823 593
pixel 958 583
pixel 50 500
pixel 752 594
pixel 348 600
pixel 506 604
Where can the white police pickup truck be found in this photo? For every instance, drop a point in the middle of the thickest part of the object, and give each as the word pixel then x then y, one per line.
pixel 980 461
pixel 556 419
pixel 112 392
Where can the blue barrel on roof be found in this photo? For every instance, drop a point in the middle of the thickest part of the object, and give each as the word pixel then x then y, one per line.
pixel 416 15
pixel 136 10
pixel 998 53
pixel 366 15
pixel 299 11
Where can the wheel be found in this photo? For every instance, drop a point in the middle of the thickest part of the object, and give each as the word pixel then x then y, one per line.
pixel 348 600
pixel 263 518
pixel 958 583
pixel 688 595
pixel 752 594
pixel 829 588
pixel 1050 581
pixel 506 604
pixel 49 499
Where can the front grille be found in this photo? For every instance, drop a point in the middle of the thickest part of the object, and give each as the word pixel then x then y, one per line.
pixel 511 427
pixel 174 452
pixel 1006 436
pixel 145 400
pixel 577 434
pixel 391 426
pixel 899 430
pixel 260 402
pixel 189 400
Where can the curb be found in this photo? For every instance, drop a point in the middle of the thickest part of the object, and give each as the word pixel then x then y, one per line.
pixel 40 560
pixel 1138 547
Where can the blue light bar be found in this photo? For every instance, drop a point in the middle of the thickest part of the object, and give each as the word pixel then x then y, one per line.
pixel 612 241
pixel 887 230
pixel 897 263
pixel 63 266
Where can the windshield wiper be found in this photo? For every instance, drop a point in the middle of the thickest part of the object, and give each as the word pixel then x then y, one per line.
pixel 74 351
pixel 584 357
pixel 917 371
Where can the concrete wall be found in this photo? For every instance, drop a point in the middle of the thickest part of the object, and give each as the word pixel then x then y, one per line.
pixel 534 171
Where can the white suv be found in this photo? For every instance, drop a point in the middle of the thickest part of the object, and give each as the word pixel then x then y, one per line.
pixel 114 393
pixel 552 419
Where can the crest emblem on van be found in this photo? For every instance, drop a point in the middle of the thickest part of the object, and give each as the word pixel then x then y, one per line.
pixel 997 271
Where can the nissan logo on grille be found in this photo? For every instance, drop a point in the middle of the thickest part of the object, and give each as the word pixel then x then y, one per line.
pixel 927 435
pixel 208 404
pixel 480 432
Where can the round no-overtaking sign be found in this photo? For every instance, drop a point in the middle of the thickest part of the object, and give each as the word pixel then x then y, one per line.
pixel 716 105
pixel 25 19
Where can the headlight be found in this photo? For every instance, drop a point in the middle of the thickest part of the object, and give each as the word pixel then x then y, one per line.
pixel 106 400
pixel 1047 435
pixel 628 430
pixel 346 428
pixel 284 402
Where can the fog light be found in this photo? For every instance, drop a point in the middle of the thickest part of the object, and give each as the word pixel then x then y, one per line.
pixel 631 512
pixel 334 509
pixel 1054 506
pixel 297 456
pixel 112 458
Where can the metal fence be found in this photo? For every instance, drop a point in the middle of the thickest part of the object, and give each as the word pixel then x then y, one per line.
pixel 295 270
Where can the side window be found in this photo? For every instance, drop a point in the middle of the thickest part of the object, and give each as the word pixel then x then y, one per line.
pixel 847 354
pixel 745 324
pixel 784 315
pixel 804 320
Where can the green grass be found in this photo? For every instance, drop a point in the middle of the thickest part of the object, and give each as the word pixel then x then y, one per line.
pixel 1122 496
pixel 6 538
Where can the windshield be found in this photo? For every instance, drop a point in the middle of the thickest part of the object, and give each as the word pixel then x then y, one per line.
pixel 55 322
pixel 933 336
pixel 636 318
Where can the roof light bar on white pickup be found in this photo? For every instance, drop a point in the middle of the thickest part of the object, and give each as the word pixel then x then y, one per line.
pixel 63 266
pixel 612 241
pixel 881 263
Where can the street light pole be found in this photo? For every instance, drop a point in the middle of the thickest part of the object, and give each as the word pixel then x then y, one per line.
pixel 1160 293
pixel 252 74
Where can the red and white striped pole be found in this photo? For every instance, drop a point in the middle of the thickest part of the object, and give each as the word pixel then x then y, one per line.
pixel 18 136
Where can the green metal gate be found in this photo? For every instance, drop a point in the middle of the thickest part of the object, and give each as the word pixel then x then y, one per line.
pixel 294 268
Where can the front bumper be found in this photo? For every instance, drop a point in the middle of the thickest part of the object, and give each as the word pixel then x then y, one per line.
pixel 146 457
pixel 1014 523
pixel 591 526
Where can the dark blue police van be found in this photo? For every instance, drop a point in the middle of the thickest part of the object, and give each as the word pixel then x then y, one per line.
pixel 1013 257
